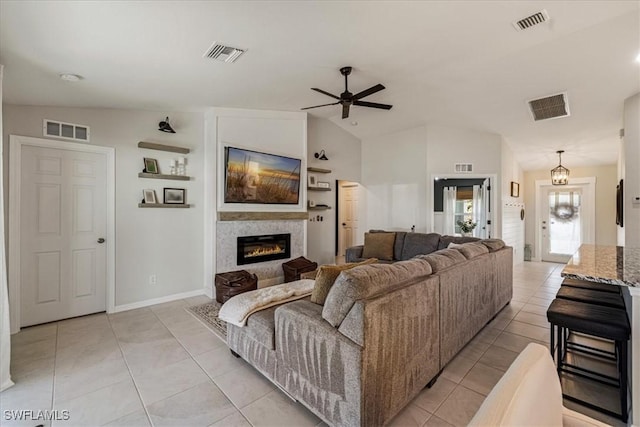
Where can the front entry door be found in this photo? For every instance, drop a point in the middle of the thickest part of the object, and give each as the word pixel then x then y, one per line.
pixel 562 223
pixel 348 216
pixel 63 225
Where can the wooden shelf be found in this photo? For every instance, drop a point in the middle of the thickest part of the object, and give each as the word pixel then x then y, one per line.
pixel 318 170
pixel 162 176
pixel 261 216
pixel 162 147
pixel 163 205
pixel 318 208
pixel 318 189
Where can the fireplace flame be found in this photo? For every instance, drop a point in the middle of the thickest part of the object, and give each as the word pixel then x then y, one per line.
pixel 269 250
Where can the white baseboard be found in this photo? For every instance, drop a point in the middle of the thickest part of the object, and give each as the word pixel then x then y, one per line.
pixel 154 301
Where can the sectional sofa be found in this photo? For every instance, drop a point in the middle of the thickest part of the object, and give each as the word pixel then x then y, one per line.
pixel 384 332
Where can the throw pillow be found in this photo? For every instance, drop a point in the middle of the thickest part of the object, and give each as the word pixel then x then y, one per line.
pixel 379 245
pixel 453 245
pixel 327 275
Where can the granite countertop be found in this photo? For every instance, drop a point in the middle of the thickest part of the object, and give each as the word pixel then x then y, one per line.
pixel 615 265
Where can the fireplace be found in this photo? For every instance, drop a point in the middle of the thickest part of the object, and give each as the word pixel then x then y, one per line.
pixel 252 249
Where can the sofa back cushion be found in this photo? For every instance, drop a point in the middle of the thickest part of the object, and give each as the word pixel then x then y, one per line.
pixel 419 244
pixel 399 243
pixel 443 259
pixel 378 245
pixel 472 250
pixel 446 240
pixel 367 281
pixel 493 244
pixel 327 275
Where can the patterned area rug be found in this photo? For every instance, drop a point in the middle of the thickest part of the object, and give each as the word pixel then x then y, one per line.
pixel 208 315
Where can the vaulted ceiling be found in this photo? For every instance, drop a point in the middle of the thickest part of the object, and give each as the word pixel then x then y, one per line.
pixel 458 63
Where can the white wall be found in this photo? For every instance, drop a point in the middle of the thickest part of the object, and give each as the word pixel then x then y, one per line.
pixel 632 171
pixel 513 227
pixel 344 153
pixel 164 242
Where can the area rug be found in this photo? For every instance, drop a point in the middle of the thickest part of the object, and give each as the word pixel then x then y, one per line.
pixel 208 315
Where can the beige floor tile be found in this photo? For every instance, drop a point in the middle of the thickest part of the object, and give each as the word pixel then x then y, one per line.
pixel 234 420
pixel 197 300
pixel 542 302
pixel 169 306
pixel 430 399
pixel 513 342
pixel 474 350
pixel 74 339
pixel 199 341
pixel 77 382
pixel 151 356
pixel 21 368
pixel 33 334
pixel 498 358
pixel 532 319
pixel 33 391
pixel 537 333
pixel 241 393
pixel 276 409
pixel 91 321
pixel 488 335
pixel 101 406
pixel 410 416
pixel 536 309
pixel 201 405
pixel 457 369
pixel 135 419
pixel 76 359
pixel 44 348
pixel 434 421
pixel 218 362
pixel 169 380
pixel 460 406
pixel 482 378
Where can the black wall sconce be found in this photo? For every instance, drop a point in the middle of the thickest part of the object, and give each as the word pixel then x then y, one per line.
pixel 165 126
pixel 321 155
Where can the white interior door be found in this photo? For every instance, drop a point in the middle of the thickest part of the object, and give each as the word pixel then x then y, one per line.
pixel 348 215
pixel 63 225
pixel 562 223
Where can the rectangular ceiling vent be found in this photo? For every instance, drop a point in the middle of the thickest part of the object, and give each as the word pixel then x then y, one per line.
pixel 223 53
pixel 63 130
pixel 463 167
pixel 550 107
pixel 531 21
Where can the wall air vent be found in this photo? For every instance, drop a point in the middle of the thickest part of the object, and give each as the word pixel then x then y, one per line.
pixel 463 167
pixel 63 130
pixel 223 53
pixel 532 20
pixel 550 107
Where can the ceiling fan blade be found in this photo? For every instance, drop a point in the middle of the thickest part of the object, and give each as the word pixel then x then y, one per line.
pixel 323 105
pixel 373 105
pixel 324 92
pixel 345 111
pixel 367 92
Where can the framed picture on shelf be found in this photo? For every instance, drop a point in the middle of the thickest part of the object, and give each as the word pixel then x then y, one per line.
pixel 323 185
pixel 151 165
pixel 312 181
pixel 174 196
pixel 150 196
pixel 515 189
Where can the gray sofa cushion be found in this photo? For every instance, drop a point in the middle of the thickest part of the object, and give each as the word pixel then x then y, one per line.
pixel 419 244
pixel 366 281
pixel 442 259
pixel 398 244
pixel 493 244
pixel 261 327
pixel 445 240
pixel 472 250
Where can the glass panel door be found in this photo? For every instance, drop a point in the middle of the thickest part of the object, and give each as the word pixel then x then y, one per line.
pixel 561 224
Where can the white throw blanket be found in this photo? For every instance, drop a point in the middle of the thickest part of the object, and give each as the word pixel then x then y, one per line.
pixel 238 308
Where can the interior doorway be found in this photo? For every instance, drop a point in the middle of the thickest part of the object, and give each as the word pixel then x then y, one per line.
pixel 347 204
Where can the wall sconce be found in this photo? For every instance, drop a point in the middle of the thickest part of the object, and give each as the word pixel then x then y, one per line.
pixel 165 126
pixel 321 155
pixel 559 174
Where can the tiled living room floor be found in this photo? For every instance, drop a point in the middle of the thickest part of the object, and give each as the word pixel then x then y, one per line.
pixel 160 366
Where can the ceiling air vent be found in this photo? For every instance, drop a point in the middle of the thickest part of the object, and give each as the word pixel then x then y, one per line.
pixel 65 130
pixel 463 167
pixel 531 21
pixel 550 107
pixel 223 53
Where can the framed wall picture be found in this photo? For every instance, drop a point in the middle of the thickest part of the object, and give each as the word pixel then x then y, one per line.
pixel 312 181
pixel 151 165
pixel 515 189
pixel 150 196
pixel 174 196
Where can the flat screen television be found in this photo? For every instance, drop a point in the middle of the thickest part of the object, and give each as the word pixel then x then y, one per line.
pixel 261 178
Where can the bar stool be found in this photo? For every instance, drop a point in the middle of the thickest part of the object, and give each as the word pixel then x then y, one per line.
pixel 607 299
pixel 594 286
pixel 599 321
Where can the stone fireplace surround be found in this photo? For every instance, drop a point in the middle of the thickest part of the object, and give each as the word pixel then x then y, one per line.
pixel 270 272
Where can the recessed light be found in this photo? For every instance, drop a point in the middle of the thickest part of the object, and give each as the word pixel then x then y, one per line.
pixel 70 77
pixel 354 123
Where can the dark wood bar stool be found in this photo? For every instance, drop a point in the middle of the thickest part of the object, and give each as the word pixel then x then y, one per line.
pixel 594 286
pixel 599 321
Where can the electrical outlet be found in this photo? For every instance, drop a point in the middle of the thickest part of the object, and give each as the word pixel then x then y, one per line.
pixel 153 279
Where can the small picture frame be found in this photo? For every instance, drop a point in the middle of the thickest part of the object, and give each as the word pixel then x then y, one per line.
pixel 515 189
pixel 151 166
pixel 174 196
pixel 312 182
pixel 323 185
pixel 149 196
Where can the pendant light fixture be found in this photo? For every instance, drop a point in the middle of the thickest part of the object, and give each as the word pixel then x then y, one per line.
pixel 559 174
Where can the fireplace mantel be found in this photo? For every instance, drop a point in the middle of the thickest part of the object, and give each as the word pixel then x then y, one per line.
pixel 261 216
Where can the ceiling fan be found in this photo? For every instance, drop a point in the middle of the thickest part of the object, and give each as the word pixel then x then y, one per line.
pixel 347 99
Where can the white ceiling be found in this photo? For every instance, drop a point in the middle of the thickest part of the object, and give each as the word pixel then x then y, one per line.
pixel 458 63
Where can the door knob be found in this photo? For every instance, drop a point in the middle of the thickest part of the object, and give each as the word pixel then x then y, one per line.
pixel 344 224
pixel 101 240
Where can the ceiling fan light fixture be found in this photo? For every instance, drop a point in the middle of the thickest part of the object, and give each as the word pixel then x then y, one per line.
pixel 321 155
pixel 559 174
pixel 164 126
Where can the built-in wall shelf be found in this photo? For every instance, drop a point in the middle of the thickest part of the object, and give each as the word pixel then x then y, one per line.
pixel 163 176
pixel 162 147
pixel 318 208
pixel 261 216
pixel 163 205
pixel 318 170
pixel 318 189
